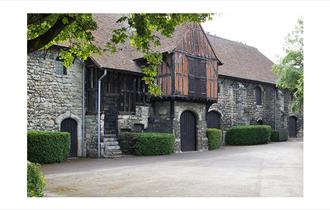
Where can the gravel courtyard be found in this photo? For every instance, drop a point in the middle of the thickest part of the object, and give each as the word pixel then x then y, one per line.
pixel 274 169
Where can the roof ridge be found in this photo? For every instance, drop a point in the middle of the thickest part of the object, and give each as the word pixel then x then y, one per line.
pixel 232 41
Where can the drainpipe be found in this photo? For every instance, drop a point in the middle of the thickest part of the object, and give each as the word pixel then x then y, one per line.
pixel 275 108
pixel 99 114
pixel 83 111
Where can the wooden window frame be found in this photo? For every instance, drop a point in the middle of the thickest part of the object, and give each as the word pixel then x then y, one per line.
pixel 59 63
pixel 194 75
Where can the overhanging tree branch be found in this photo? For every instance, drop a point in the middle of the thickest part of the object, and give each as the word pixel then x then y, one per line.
pixel 42 40
pixel 35 18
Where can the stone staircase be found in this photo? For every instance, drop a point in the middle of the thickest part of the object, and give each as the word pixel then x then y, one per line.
pixel 111 146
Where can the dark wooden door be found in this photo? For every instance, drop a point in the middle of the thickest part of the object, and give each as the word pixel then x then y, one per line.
pixel 188 131
pixel 213 119
pixel 292 126
pixel 111 114
pixel 70 125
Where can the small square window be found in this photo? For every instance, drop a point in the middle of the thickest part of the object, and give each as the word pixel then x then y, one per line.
pixel 59 67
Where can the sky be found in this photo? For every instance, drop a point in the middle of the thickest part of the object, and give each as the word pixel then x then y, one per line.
pixel 262 27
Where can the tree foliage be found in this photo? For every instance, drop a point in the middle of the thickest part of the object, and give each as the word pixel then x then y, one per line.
pixel 290 68
pixel 75 30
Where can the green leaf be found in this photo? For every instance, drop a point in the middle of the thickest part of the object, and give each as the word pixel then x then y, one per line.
pixel 290 68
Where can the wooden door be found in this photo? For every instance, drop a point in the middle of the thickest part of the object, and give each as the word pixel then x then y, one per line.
pixel 188 131
pixel 292 126
pixel 111 113
pixel 213 119
pixel 70 125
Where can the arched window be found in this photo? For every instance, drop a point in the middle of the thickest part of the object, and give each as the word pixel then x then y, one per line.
pixel 213 119
pixel 59 66
pixel 258 96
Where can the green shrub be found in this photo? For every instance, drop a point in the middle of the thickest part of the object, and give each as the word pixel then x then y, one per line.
pixel 154 143
pixel 248 134
pixel 147 143
pixel 48 146
pixel 214 138
pixel 35 180
pixel 283 134
pixel 275 136
pixel 280 135
pixel 127 142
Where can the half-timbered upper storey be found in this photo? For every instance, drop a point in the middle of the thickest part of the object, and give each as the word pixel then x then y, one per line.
pixel 189 70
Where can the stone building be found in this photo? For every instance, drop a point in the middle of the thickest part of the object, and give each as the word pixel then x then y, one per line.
pixel 247 90
pixel 206 81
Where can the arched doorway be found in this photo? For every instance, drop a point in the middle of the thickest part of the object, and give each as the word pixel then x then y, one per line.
pixel 260 122
pixel 213 119
pixel 292 126
pixel 70 125
pixel 188 131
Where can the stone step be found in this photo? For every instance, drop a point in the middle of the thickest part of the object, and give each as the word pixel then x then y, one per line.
pixel 112 154
pixel 110 148
pixel 115 151
pixel 111 143
pixel 110 135
pixel 107 139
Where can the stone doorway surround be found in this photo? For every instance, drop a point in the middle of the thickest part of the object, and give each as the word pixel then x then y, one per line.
pixel 69 114
pixel 199 109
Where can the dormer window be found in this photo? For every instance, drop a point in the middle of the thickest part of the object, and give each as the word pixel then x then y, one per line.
pixel 59 66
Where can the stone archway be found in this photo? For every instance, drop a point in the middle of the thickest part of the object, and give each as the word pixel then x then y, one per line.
pixel 260 122
pixel 70 125
pixel 213 119
pixel 293 126
pixel 188 131
pixel 66 115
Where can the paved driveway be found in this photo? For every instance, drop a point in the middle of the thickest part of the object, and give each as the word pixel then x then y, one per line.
pixel 274 169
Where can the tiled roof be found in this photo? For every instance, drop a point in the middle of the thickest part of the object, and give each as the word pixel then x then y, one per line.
pixel 242 61
pixel 239 60
pixel 123 59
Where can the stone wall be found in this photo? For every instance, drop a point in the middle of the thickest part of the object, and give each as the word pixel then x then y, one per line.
pixel 51 97
pixel 281 111
pixel 91 134
pixel 129 122
pixel 162 121
pixel 237 103
pixel 199 109
pixel 161 118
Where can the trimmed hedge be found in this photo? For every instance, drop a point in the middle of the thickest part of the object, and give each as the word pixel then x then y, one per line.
pixel 35 180
pixel 275 136
pixel 248 134
pixel 214 138
pixel 283 134
pixel 148 143
pixel 280 135
pixel 48 146
pixel 127 142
